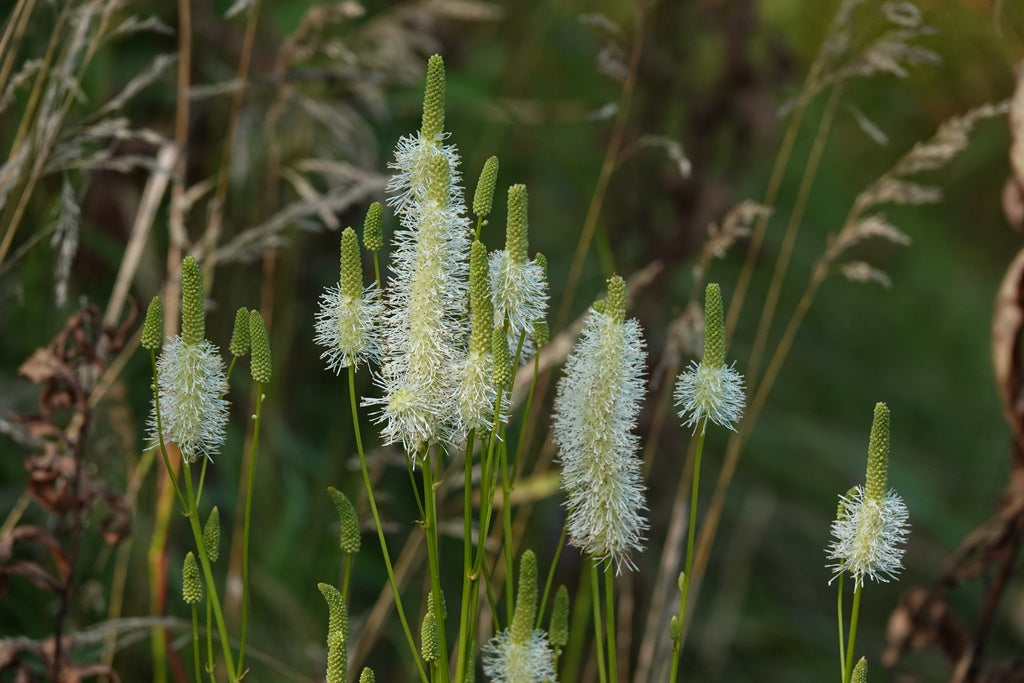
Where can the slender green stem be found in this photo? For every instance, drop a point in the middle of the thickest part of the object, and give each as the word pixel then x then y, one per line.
pixel 433 554
pixel 691 528
pixel 854 613
pixel 196 646
pixel 468 577
pixel 246 533
pixel 609 617
pixel 376 273
pixel 346 574
pixel 842 628
pixel 551 574
pixel 380 529
pixel 202 482
pixel 231 366
pixel 416 493
pixel 506 526
pixel 595 592
pixel 209 644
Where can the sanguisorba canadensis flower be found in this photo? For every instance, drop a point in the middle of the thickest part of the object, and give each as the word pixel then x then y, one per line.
pixel 191 383
pixel 871 525
pixel 711 390
pixel 425 323
pixel 478 391
pixel 521 653
pixel 346 323
pixel 596 407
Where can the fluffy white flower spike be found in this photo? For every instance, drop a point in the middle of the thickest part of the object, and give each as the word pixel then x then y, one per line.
pixel 346 324
pixel 711 390
pixel 871 525
pixel 521 653
pixel 191 383
pixel 596 407
pixel 425 322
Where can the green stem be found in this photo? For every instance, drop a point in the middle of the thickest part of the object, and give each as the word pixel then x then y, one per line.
pixel 468 577
pixel 195 641
pixel 854 613
pixel 209 643
pixel 346 575
pixel 251 479
pixel 433 555
pixel 595 599
pixel 842 628
pixel 506 527
pixel 380 529
pixel 551 574
pixel 609 616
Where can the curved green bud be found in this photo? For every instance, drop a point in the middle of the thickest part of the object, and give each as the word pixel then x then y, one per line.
pixel 714 328
pixel 615 302
pixel 153 328
pixel 483 198
pixel 525 611
pixel 433 101
pixel 430 638
pixel 516 240
pixel 348 538
pixel 239 345
pixel 191 582
pixel 193 312
pixel 558 631
pixel 500 360
pixel 351 278
pixel 211 535
pixel 260 366
pixel 337 634
pixel 875 483
pixel 373 231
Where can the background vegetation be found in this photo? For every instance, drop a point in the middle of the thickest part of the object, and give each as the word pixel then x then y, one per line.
pixel 330 89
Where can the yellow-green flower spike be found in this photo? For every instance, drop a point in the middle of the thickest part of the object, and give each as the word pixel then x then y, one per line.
pixel 153 328
pixel 430 639
pixel 373 231
pixel 438 179
pixel 483 198
pixel 481 308
pixel 598 305
pixel 193 313
pixel 351 278
pixel 438 610
pixel 714 327
pixel 433 101
pixel 558 631
pixel 348 538
pixel 526 599
pixel 860 672
pixel 260 366
pixel 615 303
pixel 337 634
pixel 500 360
pixel 211 535
pixel 541 331
pixel 875 483
pixel 191 582
pixel 367 676
pixel 239 345
pixel 516 241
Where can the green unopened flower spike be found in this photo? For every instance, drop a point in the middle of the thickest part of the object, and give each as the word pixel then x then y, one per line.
pixel 711 390
pixel 541 331
pixel 675 628
pixel 430 638
pixel 860 672
pixel 191 383
pixel 373 231
pixel 239 345
pixel 483 198
pixel 558 631
pixel 337 634
pixel 432 127
pixel 499 353
pixel 153 328
pixel 518 285
pixel 477 387
pixel 191 582
pixel 211 535
pixel 260 366
pixel 442 608
pixel 871 525
pixel 596 408
pixel 367 675
pixel 521 652
pixel 348 538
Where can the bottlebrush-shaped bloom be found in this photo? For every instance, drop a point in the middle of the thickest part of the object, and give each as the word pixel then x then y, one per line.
pixel 596 407
pixel 424 327
pixel 871 525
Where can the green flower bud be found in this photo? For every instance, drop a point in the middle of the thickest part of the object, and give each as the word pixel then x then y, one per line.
pixel 348 539
pixel 191 582
pixel 483 198
pixel 615 303
pixel 193 313
pixel 239 345
pixel 876 483
pixel 260 366
pixel 525 611
pixel 541 331
pixel 211 535
pixel 516 240
pixel 337 634
pixel 500 360
pixel 351 278
pixel 367 675
pixel 675 629
pixel 714 328
pixel 433 101
pixel 860 672
pixel 480 305
pixel 430 638
pixel 441 609
pixel 558 631
pixel 373 232
pixel 438 179
pixel 153 328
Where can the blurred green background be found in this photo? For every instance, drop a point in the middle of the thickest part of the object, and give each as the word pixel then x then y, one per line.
pixel 525 83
